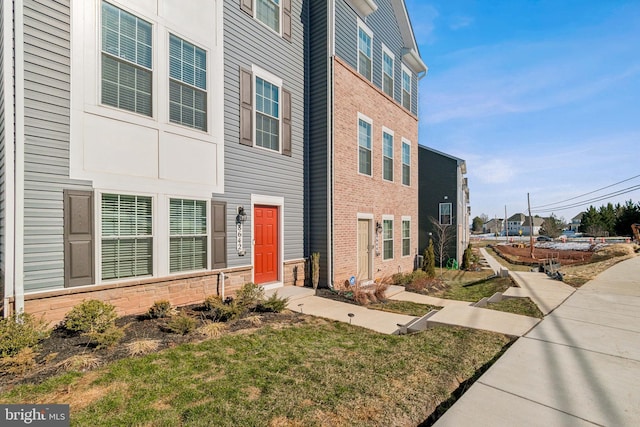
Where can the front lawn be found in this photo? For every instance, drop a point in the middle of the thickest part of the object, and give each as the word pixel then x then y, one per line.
pixel 475 291
pixel 313 373
pixel 404 307
pixel 523 306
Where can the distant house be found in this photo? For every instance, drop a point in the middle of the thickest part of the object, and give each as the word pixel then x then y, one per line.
pixel 443 195
pixel 515 223
pixel 494 226
pixel 576 221
pixel 537 225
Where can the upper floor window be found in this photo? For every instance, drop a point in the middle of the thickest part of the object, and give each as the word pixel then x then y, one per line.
pixel 406 88
pixel 364 51
pixel 127 236
pixel 268 12
pixel 387 71
pixel 406 163
pixel 188 235
pixel 126 60
pixel 267 115
pixel 445 213
pixel 187 84
pixel 387 156
pixel 364 147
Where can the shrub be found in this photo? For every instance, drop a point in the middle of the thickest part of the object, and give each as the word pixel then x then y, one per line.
pixel 274 304
pixel 107 338
pixel 140 347
pixel 380 291
pixel 429 260
pixel 222 311
pixel 90 316
pixel 467 258
pixel 80 362
pixel 182 324
pixel 249 295
pixel 21 331
pixel 160 309
pixel 21 362
pixel 211 330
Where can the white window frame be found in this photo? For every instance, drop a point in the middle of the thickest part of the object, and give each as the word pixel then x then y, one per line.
pixel 406 143
pixel 387 52
pixel 440 215
pixel 404 220
pixel 405 70
pixel 99 239
pixel 370 122
pixel 384 219
pixel 389 132
pixel 362 26
pixel 183 83
pixel 276 81
pixel 207 235
pixel 255 16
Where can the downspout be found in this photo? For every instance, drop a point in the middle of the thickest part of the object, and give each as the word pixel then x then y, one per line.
pixel 19 158
pixel 330 135
pixel 9 157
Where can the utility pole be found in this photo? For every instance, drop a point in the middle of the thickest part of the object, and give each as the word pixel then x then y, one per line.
pixel 506 229
pixel 530 227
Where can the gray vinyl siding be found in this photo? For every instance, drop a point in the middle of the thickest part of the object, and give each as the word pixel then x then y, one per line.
pixel 2 157
pixel 318 180
pixel 384 26
pixel 252 170
pixel 46 149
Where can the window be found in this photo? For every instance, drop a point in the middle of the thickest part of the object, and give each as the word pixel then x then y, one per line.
pixel 188 235
pixel 387 71
pixel 406 88
pixel 445 213
pixel 406 237
pixel 126 60
pixel 387 238
pixel 364 52
pixel 364 147
pixel 187 84
pixel 268 12
pixel 387 156
pixel 267 115
pixel 406 163
pixel 127 238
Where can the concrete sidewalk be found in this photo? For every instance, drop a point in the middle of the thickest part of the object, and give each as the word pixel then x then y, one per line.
pixel 545 292
pixel 579 366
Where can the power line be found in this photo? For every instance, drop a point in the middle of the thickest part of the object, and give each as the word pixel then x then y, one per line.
pixel 587 202
pixel 582 195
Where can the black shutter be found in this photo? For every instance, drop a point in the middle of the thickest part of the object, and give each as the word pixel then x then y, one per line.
pixel 218 234
pixel 247 6
pixel 246 107
pixel 286 122
pixel 79 267
pixel 286 19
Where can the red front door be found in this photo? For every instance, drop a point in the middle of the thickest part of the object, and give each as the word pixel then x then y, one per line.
pixel 265 232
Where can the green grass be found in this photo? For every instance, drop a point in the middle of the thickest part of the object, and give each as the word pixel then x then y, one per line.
pixel 404 307
pixel 523 306
pixel 507 264
pixel 474 292
pixel 312 374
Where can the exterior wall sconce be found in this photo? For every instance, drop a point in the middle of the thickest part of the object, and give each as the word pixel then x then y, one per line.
pixel 378 227
pixel 241 217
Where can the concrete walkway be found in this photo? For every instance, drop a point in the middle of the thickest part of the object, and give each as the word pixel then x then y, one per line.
pixel 545 292
pixel 580 366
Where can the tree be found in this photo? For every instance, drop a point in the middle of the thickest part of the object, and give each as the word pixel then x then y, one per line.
pixel 628 214
pixel 467 258
pixel 552 226
pixel 429 260
pixel 477 224
pixel 442 236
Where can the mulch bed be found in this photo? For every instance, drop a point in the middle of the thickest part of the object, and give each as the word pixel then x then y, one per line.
pixel 62 345
pixel 523 255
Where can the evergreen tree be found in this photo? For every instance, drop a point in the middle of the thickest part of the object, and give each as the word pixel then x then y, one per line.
pixel 628 214
pixel 478 224
pixel 608 219
pixel 429 260
pixel 467 258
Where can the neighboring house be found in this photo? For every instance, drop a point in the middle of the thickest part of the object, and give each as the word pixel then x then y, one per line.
pixel 443 197
pixel 127 150
pixel 363 139
pixel 515 224
pixel 494 226
pixel 537 225
pixel 576 221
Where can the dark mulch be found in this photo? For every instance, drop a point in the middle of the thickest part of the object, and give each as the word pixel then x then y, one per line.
pixel 62 344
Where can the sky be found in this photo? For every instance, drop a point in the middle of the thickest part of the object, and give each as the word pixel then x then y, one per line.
pixel 538 97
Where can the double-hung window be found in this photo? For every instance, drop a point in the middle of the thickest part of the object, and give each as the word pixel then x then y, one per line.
pixel 387 239
pixel 127 236
pixel 387 71
pixel 406 236
pixel 364 51
pixel 267 114
pixel 268 12
pixel 445 213
pixel 364 147
pixel 406 88
pixel 188 235
pixel 387 156
pixel 187 84
pixel 406 163
pixel 126 60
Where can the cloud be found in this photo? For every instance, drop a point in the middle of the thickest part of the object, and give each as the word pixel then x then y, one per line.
pixel 458 22
pixel 492 170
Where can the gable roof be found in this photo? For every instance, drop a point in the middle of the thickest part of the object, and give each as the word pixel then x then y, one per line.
pixel 519 217
pixel 462 163
pixel 410 51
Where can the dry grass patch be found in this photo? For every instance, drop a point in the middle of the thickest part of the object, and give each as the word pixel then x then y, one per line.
pixel 80 362
pixel 212 330
pixel 141 347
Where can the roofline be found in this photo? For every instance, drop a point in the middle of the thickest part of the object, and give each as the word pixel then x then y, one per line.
pixel 461 162
pixel 408 36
